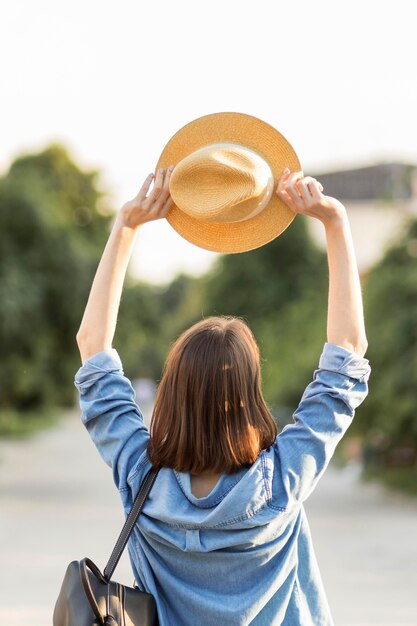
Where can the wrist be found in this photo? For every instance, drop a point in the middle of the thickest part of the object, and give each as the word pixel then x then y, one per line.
pixel 122 221
pixel 337 221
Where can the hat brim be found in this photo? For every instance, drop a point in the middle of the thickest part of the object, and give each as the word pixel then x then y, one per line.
pixel 253 133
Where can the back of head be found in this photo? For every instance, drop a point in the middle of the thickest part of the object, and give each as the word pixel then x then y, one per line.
pixel 209 412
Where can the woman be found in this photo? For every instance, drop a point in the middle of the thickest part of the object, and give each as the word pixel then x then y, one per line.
pixel 223 538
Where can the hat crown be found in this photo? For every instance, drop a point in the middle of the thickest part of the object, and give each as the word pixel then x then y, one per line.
pixel 222 182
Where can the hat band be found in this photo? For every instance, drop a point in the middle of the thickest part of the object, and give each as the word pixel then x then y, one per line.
pixel 263 201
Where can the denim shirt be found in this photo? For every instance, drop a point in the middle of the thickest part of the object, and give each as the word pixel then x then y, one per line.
pixel 243 554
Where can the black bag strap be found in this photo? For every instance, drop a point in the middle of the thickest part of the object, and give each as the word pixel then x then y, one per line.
pixel 130 522
pixel 87 586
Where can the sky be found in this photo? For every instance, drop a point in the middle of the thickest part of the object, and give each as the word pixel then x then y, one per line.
pixel 114 81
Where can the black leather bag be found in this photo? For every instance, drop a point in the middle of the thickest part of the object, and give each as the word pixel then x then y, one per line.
pixel 88 597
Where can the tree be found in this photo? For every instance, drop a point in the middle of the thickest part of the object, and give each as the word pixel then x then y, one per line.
pixel 51 237
pixel 261 282
pixel 151 317
pixel 391 321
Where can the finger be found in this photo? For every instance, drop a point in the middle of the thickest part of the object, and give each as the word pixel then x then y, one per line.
pixel 282 181
pixel 315 188
pixel 159 211
pixel 314 181
pixel 156 205
pixel 159 180
pixel 145 187
pixel 291 189
pixel 285 176
pixel 292 180
pixel 288 201
pixel 285 173
pixel 310 179
pixel 296 176
pixel 281 187
pixel 282 192
pixel 165 189
pixel 304 190
pixel 167 206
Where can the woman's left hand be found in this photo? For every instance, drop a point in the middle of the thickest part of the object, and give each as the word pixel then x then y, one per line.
pixel 149 208
pixel 303 194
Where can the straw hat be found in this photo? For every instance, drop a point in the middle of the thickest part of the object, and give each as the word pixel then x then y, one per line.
pixel 227 167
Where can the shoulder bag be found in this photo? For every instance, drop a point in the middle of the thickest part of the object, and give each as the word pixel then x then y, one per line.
pixel 88 597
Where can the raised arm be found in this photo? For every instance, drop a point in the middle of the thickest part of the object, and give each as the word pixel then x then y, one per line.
pixel 345 321
pixel 99 321
pixel 340 383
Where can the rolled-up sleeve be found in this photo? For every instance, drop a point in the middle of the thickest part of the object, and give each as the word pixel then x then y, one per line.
pixel 110 413
pixel 304 448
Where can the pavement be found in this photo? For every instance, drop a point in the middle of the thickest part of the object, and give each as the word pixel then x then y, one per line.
pixel 58 503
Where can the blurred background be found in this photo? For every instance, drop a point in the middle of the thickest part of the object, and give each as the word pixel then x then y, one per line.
pixel 91 93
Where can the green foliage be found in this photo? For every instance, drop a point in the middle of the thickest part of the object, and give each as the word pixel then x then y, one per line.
pixel 291 342
pixel 261 282
pixel 48 256
pixel 398 478
pixel 64 196
pixel 150 319
pixel 391 319
pixel 23 423
pixel 138 327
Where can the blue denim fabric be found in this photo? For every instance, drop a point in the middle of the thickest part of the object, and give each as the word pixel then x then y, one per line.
pixel 243 554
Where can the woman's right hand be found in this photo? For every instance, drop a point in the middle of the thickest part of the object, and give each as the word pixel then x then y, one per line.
pixel 147 208
pixel 303 194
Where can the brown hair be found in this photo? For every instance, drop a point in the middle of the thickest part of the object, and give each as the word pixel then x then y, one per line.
pixel 209 412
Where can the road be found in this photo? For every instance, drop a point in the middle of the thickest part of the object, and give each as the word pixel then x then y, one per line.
pixel 58 503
